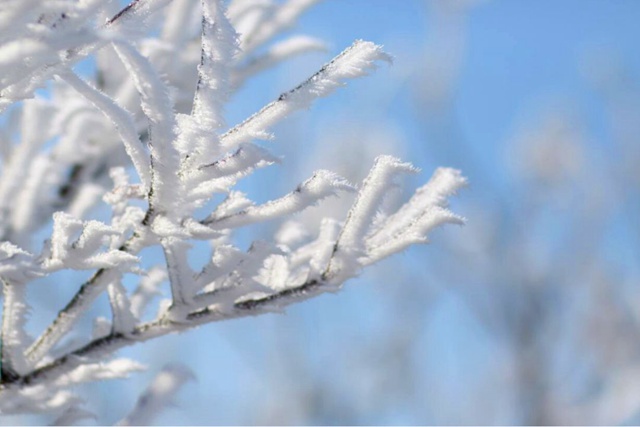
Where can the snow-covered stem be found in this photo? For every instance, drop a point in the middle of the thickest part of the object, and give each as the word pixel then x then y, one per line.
pixel 322 184
pixel 219 46
pixel 355 61
pixel 104 346
pixel 157 106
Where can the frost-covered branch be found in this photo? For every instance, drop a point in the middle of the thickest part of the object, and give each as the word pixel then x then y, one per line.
pixel 44 38
pixel 354 61
pixel 320 185
pixel 139 156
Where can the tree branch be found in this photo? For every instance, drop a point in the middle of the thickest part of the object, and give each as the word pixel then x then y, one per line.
pixel 69 315
pixel 115 341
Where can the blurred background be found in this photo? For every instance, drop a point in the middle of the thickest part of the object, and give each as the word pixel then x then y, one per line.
pixel 529 314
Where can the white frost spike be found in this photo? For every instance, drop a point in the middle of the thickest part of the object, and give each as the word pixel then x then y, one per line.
pixel 92 237
pixel 355 61
pixel 110 259
pixel 362 213
pixel 221 175
pixel 420 208
pixel 218 49
pixel 219 46
pixel 415 234
pixel 159 395
pixel 245 158
pixel 67 252
pixel 65 227
pixel 322 184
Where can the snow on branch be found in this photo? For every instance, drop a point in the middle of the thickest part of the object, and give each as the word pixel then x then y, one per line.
pixel 158 108
pixel 219 46
pixel 375 186
pixel 321 185
pixel 355 61
pixel 74 149
pixel 416 218
pixel 74 244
